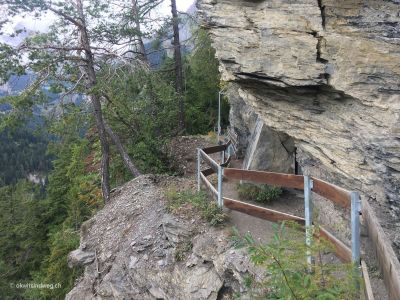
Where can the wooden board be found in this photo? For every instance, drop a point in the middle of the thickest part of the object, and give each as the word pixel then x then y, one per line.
pixel 341 250
pixel 388 262
pixel 368 294
pixel 209 171
pixel 214 149
pixel 260 212
pixel 276 179
pixel 332 192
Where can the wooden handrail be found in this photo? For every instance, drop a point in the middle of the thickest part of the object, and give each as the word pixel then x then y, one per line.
pixel 325 189
pixel 260 212
pixel 214 149
pixel 332 192
pixel 368 293
pixel 385 255
pixel 341 250
pixel 209 171
pixel 277 179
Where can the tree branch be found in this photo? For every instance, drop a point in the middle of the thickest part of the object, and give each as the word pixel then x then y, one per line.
pixel 53 47
pixel 65 16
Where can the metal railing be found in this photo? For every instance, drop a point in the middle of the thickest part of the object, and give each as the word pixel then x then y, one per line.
pixel 339 196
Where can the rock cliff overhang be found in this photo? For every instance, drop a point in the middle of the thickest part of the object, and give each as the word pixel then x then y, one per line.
pixel 325 73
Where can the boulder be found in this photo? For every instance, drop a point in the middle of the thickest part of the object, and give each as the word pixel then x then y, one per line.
pixel 79 257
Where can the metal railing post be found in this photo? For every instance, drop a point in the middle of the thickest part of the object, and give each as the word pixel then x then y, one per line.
pixel 355 227
pixel 220 173
pixel 198 169
pixel 222 156
pixel 308 215
pixel 219 114
pixel 355 236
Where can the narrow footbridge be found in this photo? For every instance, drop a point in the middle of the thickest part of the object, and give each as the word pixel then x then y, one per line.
pixel 341 197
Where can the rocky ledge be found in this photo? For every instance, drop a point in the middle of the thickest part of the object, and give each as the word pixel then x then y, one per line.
pixel 134 249
pixel 324 78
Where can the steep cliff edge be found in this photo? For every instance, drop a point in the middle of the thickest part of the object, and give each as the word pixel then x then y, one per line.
pixel 326 74
pixel 134 249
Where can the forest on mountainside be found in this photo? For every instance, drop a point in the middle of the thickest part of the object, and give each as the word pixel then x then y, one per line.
pixel 22 153
pixel 131 109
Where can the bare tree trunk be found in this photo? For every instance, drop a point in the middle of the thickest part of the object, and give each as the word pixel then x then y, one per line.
pixel 127 161
pixel 178 66
pixel 90 79
pixel 105 148
pixel 136 15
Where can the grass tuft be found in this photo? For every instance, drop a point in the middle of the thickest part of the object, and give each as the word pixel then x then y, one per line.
pixel 259 193
pixel 208 210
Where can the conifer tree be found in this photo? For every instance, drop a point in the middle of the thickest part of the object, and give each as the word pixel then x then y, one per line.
pixel 72 53
pixel 178 66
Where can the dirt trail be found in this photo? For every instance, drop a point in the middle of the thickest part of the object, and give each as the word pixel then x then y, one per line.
pixel 291 202
pixel 261 230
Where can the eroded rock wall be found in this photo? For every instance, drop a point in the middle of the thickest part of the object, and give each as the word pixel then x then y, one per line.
pixel 327 74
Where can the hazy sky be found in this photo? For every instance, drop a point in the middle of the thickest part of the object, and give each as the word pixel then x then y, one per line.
pixel 182 5
pixel 42 24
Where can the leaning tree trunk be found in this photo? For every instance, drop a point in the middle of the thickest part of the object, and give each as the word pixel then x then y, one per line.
pixel 88 70
pixel 120 148
pixel 178 66
pixel 105 149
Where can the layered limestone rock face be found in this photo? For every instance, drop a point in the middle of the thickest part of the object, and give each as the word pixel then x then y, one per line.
pixel 134 249
pixel 326 74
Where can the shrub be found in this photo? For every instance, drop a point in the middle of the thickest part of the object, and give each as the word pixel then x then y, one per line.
pixel 289 276
pixel 259 193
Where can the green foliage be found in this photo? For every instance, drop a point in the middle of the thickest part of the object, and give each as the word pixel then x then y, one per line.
pixel 41 227
pixel 9 62
pixel 22 152
pixel 23 234
pixel 288 275
pixel 203 78
pixel 74 194
pixel 142 110
pixel 54 268
pixel 208 210
pixel 259 193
